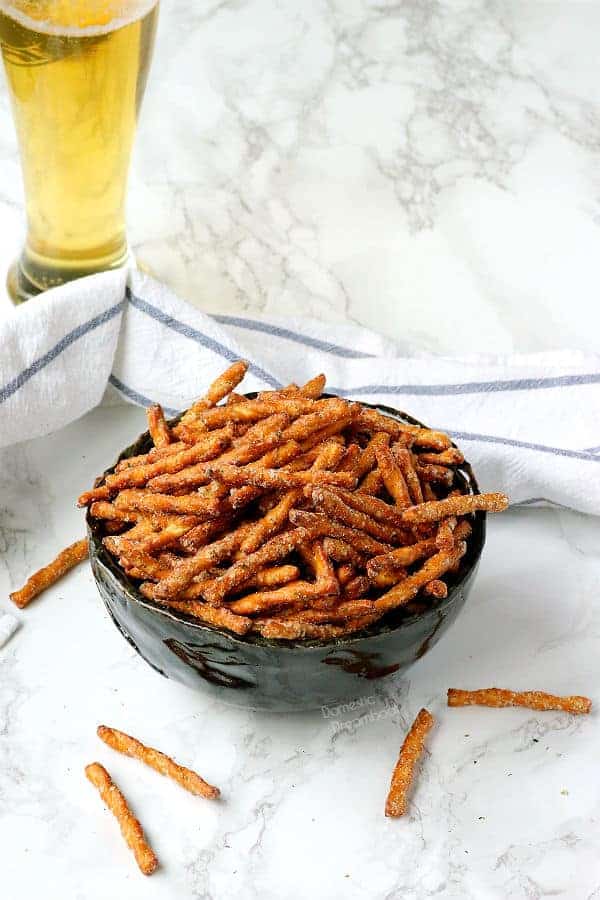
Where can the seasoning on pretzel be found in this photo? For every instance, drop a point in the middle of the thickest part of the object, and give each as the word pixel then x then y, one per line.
pixel 414 743
pixel 529 699
pixel 50 574
pixel 158 761
pixel 290 515
pixel 130 827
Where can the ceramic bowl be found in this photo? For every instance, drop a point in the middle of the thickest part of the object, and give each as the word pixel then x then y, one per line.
pixel 286 676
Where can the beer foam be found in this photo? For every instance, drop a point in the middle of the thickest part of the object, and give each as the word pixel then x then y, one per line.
pixel 56 17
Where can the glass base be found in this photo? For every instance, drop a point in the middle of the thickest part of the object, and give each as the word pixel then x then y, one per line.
pixel 19 287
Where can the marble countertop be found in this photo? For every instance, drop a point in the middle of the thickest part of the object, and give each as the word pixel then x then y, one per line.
pixel 506 802
pixel 377 162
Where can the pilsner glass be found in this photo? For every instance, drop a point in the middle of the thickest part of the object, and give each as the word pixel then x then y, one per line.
pixel 76 72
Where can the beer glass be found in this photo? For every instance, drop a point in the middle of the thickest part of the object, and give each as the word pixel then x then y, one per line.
pixel 76 72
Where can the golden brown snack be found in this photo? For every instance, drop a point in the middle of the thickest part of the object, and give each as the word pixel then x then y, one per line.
pixel 297 593
pixel 50 574
pixel 253 518
pixel 529 699
pixel 218 390
pixel 157 426
pixel 436 589
pixel 411 750
pixel 450 457
pixel 455 506
pixel 322 526
pixel 273 551
pixel 130 827
pixel 406 463
pixel 433 568
pixel 403 556
pixel 158 761
pixel 295 629
pixel 392 477
pixel 332 504
pixel 277 479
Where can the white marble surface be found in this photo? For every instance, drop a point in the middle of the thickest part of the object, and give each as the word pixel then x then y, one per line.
pixel 380 162
pixel 505 806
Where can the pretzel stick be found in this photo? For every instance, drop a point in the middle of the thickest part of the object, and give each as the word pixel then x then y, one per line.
pixel 294 629
pixel 392 477
pixel 403 556
pixel 275 478
pixel 322 526
pixel 158 761
pixel 436 589
pixel 296 593
pixel 218 390
pixel 530 699
pixel 403 774
pixel 50 574
pixel 205 558
pixel 450 457
pixel 437 475
pixel 372 483
pixel 331 504
pixel 130 827
pixel 245 568
pixel 152 456
pixel 373 507
pixel 157 426
pixel 404 459
pixel 408 589
pixel 455 506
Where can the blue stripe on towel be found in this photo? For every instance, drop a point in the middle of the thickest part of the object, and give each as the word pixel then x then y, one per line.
pixel 12 386
pixel 288 334
pixel 195 335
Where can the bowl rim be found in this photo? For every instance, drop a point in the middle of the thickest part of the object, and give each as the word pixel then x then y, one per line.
pixel 99 555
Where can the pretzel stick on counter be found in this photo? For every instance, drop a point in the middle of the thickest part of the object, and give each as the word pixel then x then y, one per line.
pixel 66 560
pixel 403 774
pixel 130 827
pixel 158 761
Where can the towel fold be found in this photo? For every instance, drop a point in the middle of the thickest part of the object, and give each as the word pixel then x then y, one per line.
pixel 527 422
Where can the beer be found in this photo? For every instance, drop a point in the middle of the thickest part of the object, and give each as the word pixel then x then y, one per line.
pixel 76 72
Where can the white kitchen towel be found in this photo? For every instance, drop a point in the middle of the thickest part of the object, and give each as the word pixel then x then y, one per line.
pixel 529 423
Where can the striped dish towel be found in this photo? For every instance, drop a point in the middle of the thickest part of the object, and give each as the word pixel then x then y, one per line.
pixel 528 423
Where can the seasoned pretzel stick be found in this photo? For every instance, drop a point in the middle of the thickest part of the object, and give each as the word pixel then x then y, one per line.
pixel 405 461
pixel 529 699
pixel 323 526
pixel 298 593
pixel 272 551
pixel 436 589
pixel 433 568
pixel 392 477
pixel 38 582
pixel 411 749
pixel 450 457
pixel 332 504
pixel 218 616
pixel 403 556
pixel 277 478
pixel 130 827
pixel 455 506
pixel 218 390
pixel 157 426
pixel 294 629
pixel 158 761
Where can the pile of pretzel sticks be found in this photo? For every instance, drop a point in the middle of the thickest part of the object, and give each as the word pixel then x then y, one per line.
pixel 290 515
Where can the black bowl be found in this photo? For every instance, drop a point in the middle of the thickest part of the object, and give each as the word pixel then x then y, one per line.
pixel 257 673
